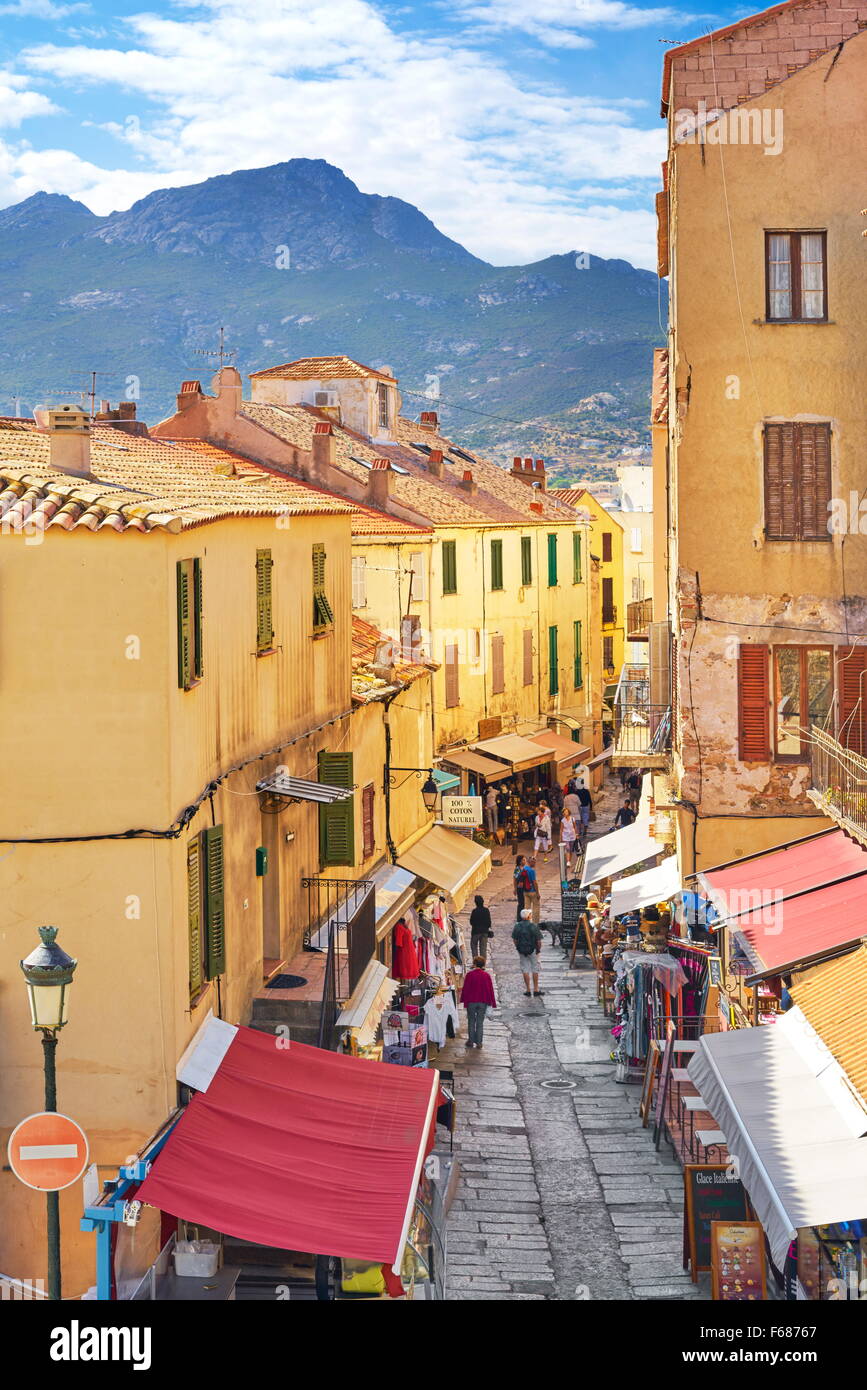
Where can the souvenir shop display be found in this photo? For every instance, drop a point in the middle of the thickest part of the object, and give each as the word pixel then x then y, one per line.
pixel 424 1013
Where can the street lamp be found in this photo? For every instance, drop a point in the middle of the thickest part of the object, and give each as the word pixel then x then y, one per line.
pixel 429 793
pixel 48 971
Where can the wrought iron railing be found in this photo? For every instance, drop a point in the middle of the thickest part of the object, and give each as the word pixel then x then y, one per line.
pixel 341 922
pixel 639 616
pixel 839 782
pixel 640 727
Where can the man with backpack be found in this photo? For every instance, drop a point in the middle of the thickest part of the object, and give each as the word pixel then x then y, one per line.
pixel 527 887
pixel 527 937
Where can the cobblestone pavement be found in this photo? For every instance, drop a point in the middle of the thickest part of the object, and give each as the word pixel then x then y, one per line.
pixel 561 1194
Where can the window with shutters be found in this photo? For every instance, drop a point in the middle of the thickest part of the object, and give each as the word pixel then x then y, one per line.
pixel 553 662
pixel 797 481
pixel 803 689
pixel 496 564
pixel 852 698
pixel 323 615
pixel 498 664
pixel 576 557
pixel 526 560
pixel 608 653
pixel 195 918
pixel 578 663
pixel 552 559
pixel 383 404
pixel 368 807
pixel 419 576
pixel 636 542
pixel 189 604
pixel 359 581
pixel 609 612
pixel 753 703
pixel 214 898
pixel 796 277
pixel 337 821
pixel 450 665
pixel 528 656
pixel 606 545
pixel 450 567
pixel 264 620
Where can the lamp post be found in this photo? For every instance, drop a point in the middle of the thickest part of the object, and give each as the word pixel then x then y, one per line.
pixel 48 971
pixel 429 792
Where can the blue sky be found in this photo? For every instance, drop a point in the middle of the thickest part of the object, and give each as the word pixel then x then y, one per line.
pixel 522 127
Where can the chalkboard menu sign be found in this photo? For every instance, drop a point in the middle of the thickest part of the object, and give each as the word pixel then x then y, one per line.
pixel 712 1192
pixel 714 966
pixel 573 903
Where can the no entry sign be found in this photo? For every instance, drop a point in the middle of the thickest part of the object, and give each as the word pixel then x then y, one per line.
pixel 48 1151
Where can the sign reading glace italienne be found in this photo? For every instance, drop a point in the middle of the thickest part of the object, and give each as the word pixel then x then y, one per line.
pixel 462 812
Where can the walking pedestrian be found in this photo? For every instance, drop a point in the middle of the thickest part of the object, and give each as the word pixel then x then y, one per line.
pixel 480 928
pixel 625 816
pixel 633 788
pixel 585 809
pixel 542 830
pixel 530 884
pixel 518 882
pixel 491 811
pixel 527 937
pixel 568 836
pixel 477 996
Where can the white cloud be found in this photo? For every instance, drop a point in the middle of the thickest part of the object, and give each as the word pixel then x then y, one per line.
pixel 492 158
pixel 40 9
pixel 558 23
pixel 18 104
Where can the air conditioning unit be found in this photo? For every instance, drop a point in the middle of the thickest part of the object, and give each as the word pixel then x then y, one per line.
pixel 324 399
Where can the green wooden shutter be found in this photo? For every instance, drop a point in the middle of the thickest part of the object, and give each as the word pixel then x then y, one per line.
pixel 198 664
pixel 526 560
pixel 553 662
pixel 450 567
pixel 496 564
pixel 264 628
pixel 576 557
pixel 337 822
pixel 194 916
pixel 323 615
pixel 579 671
pixel 185 624
pixel 215 915
pixel 552 559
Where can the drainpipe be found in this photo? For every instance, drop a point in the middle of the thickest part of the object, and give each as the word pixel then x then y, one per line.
pixel 386 777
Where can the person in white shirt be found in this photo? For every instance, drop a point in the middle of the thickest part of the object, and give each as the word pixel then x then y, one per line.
pixel 491 811
pixel 542 829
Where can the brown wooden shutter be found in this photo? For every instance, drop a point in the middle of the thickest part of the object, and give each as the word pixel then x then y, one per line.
pixel 780 490
pixel 753 704
pixel 368 802
pixel 451 672
pixel 606 545
pixel 528 656
pixel 608 615
pixel 852 686
pixel 498 665
pixel 814 479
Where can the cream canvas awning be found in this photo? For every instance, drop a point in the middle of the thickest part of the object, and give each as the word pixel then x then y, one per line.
pixel 650 886
pixel 449 861
pixel 488 768
pixel 563 750
pixel 373 994
pixel 796 1126
pixel 622 849
pixel 521 752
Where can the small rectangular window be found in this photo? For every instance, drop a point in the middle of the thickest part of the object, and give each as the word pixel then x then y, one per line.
pixel 526 559
pixel 606 545
pixel 451 676
pixel 498 664
pixel 609 611
pixel 264 619
pixel 368 810
pixel 419 576
pixel 796 277
pixel 803 687
pixel 359 581
pixel 189 604
pixel 576 557
pixel 382 394
pixel 528 656
pixel 553 662
pixel 323 615
pixel 797 477
pixel 578 663
pixel 450 567
pixel 637 544
pixel 496 564
pixel 552 559
pixel 608 653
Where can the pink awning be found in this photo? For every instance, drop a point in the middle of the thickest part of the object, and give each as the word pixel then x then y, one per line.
pixel 301 1149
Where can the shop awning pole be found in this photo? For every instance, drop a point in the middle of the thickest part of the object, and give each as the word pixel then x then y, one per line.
pixel 410 1206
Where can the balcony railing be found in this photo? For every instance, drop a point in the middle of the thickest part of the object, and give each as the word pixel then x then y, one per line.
pixel 639 616
pixel 642 733
pixel 839 782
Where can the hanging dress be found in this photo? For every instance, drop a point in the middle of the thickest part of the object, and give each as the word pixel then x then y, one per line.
pixel 405 964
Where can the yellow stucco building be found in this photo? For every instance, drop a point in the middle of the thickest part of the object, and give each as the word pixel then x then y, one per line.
pixel 759 429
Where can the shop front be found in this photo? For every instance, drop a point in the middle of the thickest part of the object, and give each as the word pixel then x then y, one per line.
pixel 287 1159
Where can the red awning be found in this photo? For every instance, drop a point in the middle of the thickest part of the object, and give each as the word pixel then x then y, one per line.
pixel 301 1149
pixel 796 903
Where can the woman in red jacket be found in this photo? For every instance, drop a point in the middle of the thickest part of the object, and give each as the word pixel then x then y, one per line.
pixel 476 995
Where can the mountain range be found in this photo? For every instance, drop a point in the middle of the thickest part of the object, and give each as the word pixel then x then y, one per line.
pixel 294 261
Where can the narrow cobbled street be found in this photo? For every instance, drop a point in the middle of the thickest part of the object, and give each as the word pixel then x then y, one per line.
pixel 561 1194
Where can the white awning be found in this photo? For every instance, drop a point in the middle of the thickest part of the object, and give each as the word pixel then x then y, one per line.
pixel 449 861
pixel 650 886
pixel 372 995
pixel 299 789
pixel 395 890
pixel 622 849
pixel 792 1120
pixel 521 752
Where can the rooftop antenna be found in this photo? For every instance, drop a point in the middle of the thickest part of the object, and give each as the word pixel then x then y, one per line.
pixel 221 352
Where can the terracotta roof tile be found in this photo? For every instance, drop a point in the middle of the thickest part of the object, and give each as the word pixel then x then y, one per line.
pixel 320 369
pixel 368 644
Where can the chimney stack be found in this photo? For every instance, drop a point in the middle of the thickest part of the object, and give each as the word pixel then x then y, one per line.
pixel 537 508
pixel 190 392
pixel 526 471
pixel 468 482
pixel 69 441
pixel 379 482
pixel 541 477
pixel 429 420
pixel 435 463
pixel 323 448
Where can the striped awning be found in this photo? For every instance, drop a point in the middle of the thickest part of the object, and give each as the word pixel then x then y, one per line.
pixel 297 789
